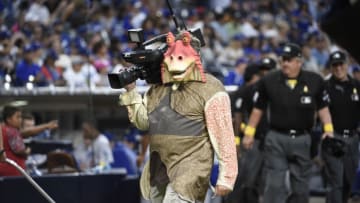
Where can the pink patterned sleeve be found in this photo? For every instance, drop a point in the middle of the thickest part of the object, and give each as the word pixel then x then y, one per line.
pixel 219 125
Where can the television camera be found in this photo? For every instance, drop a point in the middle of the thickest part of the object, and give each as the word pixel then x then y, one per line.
pixel 146 57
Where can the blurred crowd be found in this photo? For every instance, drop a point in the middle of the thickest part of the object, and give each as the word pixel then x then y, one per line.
pixel 76 43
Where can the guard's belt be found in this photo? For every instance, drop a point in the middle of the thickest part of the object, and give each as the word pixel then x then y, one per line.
pixel 291 132
pixel 346 132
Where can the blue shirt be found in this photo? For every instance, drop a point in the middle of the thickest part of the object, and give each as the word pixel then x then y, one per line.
pixel 124 157
pixel 24 70
pixel 233 78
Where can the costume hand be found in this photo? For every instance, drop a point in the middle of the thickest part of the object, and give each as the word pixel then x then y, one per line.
pixel 248 141
pixel 130 86
pixel 221 190
pixel 327 134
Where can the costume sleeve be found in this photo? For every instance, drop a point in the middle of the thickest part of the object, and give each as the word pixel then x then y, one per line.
pixel 136 107
pixel 219 125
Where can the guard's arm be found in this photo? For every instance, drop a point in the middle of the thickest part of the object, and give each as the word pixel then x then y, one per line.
pixel 136 107
pixel 255 117
pixel 238 119
pixel 325 117
pixel 322 101
pixel 250 129
pixel 260 98
pixel 219 125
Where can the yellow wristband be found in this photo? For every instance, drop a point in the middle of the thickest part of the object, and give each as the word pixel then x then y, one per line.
pixel 250 131
pixel 242 126
pixel 328 128
pixel 237 140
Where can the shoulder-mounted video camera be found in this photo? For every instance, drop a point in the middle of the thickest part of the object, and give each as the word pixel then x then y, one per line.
pixel 147 57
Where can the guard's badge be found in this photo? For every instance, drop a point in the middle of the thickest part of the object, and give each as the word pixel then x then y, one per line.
pixel 256 96
pixel 306 89
pixel 238 103
pixel 305 100
pixel 355 95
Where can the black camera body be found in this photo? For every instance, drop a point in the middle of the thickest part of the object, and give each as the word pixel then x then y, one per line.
pixel 146 58
pixel 146 62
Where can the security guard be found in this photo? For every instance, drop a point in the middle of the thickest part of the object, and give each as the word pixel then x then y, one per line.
pixel 249 185
pixel 241 98
pixel 292 96
pixel 345 111
pixel 245 186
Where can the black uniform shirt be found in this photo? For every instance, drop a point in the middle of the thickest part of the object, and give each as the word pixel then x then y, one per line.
pixel 291 108
pixel 242 99
pixel 344 103
pixel 243 103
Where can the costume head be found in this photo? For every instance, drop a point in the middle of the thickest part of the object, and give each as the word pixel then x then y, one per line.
pixel 182 61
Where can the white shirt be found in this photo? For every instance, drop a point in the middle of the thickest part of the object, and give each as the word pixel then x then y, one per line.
pixel 79 79
pixel 102 151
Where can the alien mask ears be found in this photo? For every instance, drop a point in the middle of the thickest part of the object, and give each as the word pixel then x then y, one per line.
pixel 170 39
pixel 186 38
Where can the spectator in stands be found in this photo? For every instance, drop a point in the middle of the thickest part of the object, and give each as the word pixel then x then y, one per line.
pixel 310 62
pixel 232 52
pixel 102 66
pixel 6 45
pixel 212 46
pixel 101 54
pixel 223 19
pixel 62 64
pixel 125 156
pixel 48 73
pixel 81 74
pixel 321 51
pixel 41 131
pixel 235 76
pixel 95 150
pixel 14 146
pixel 26 70
pixel 38 50
pixel 38 13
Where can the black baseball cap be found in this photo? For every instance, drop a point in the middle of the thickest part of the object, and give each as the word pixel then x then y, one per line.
pixel 290 50
pixel 267 63
pixel 251 70
pixel 337 57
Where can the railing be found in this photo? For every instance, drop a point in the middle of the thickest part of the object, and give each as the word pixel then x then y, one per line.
pixel 53 90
